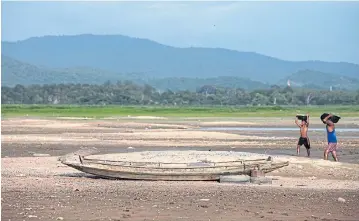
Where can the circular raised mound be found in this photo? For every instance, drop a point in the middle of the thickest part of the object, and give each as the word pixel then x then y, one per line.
pixel 178 156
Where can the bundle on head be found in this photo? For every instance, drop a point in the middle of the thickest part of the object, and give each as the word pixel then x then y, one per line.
pixel 333 118
pixel 302 117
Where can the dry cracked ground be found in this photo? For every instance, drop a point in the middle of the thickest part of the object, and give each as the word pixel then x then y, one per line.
pixel 36 186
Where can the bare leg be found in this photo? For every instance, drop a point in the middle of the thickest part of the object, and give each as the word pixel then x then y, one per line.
pixel 308 147
pixel 334 154
pixel 298 149
pixel 326 155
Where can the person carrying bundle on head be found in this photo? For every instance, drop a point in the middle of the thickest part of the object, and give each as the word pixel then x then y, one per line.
pixel 303 139
pixel 331 137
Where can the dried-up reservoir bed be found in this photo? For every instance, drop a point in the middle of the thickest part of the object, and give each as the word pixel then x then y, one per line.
pixel 35 188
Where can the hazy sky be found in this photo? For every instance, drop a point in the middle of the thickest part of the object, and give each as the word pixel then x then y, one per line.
pixel 326 31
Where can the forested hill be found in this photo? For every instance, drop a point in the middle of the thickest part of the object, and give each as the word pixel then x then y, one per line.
pixel 122 54
pixel 16 72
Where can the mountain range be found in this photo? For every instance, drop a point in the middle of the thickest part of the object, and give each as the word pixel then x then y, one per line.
pixel 96 58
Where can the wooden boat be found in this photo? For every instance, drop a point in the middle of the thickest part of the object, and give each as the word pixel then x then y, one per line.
pixel 103 166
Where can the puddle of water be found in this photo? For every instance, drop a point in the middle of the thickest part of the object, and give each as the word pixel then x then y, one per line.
pixel 274 129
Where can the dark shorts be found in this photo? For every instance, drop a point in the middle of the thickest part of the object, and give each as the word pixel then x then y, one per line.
pixel 304 141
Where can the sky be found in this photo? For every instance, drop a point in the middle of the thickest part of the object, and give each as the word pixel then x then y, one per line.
pixel 295 31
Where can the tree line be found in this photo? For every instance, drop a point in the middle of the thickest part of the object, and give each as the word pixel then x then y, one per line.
pixel 129 93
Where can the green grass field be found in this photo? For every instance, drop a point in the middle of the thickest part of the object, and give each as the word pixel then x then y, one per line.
pixel 118 111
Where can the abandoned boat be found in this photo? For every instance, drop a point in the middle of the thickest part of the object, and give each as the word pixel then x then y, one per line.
pixel 171 165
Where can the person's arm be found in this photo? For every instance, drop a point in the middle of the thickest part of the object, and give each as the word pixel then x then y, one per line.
pixel 328 122
pixel 308 119
pixel 296 121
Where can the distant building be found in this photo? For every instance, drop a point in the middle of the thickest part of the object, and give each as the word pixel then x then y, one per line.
pixel 288 83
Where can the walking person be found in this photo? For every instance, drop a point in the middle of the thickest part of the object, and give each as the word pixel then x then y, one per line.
pixel 331 137
pixel 303 139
